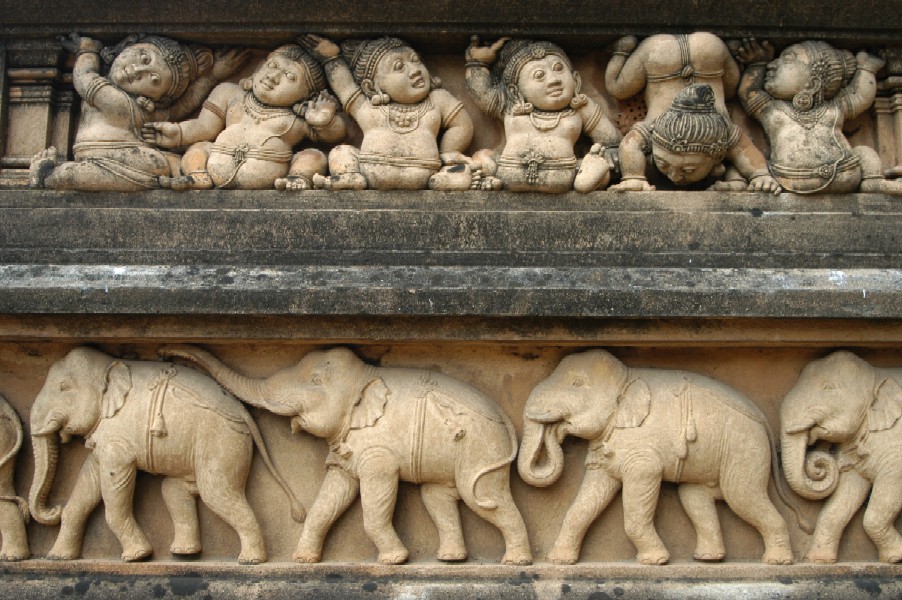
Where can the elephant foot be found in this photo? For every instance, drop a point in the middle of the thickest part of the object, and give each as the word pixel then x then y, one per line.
pixel 821 556
pixel 709 556
pixel 778 556
pixel 562 557
pixel 251 558
pixel 653 558
pixel 185 549
pixel 137 554
pixel 63 552
pixel 452 555
pixel 302 556
pixel 516 558
pixel 891 555
pixel 396 557
pixel 14 556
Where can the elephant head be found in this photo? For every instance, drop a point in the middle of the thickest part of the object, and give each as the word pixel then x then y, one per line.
pixel 585 395
pixel 836 400
pixel 80 389
pixel 325 393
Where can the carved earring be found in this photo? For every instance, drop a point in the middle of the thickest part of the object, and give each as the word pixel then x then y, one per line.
pixel 804 100
pixel 435 81
pixel 371 89
pixel 247 84
pixel 521 106
pixel 579 99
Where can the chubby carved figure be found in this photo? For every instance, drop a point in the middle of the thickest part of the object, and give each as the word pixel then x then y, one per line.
pixel 646 426
pixel 411 127
pixel 687 131
pixel 14 513
pixel 255 126
pixel 386 425
pixel 156 417
pixel 151 78
pixel 842 439
pixel 802 100
pixel 533 87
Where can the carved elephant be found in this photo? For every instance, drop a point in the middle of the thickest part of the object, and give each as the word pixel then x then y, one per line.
pixel 157 417
pixel 386 425
pixel 849 412
pixel 645 426
pixel 13 508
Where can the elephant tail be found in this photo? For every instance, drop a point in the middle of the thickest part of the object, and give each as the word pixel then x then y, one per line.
pixel 298 513
pixel 804 524
pixel 485 503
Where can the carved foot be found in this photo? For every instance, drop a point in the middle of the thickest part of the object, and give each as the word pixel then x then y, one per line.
pixel 41 166
pixel 709 556
pixel 14 556
pixel 451 553
pixel 395 557
pixel 561 556
pixel 198 181
pixel 487 184
pixel 294 183
pixel 64 551
pixel 891 554
pixel 306 553
pixel 185 549
pixel 655 557
pixel 251 558
pixel 821 556
pixel 348 181
pixel 594 171
pixel 882 186
pixel 778 556
pixel 137 554
pixel 452 179
pixel 518 557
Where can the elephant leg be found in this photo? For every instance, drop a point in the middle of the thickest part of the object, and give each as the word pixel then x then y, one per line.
pixel 441 504
pixel 505 516
pixel 12 528
pixel 641 488
pixel 596 492
pixel 118 473
pixel 698 501
pixel 224 494
pixel 838 510
pixel 747 496
pixel 338 491
pixel 83 499
pixel 880 516
pixel 179 497
pixel 378 493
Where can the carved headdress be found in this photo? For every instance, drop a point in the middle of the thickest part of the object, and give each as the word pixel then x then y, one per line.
pixel 693 124
pixel 313 72
pixel 363 58
pixel 515 55
pixel 182 60
pixel 830 71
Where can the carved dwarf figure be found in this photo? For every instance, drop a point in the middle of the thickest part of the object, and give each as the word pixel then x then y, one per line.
pixel 151 78
pixel 532 86
pixel 385 87
pixel 802 100
pixel 683 147
pixel 255 125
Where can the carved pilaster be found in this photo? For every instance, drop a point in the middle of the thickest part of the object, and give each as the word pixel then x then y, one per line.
pixel 888 111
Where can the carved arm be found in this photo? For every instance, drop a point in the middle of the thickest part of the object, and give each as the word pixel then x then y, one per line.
pixel 625 74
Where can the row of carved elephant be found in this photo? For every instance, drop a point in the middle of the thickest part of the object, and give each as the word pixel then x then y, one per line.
pixel 158 95
pixel 840 435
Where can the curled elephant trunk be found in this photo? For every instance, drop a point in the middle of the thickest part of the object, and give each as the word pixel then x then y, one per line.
pixel 814 474
pixel 46 451
pixel 541 459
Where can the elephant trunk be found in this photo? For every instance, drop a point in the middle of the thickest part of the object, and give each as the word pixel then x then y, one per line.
pixel 814 474
pixel 541 459
pixel 46 451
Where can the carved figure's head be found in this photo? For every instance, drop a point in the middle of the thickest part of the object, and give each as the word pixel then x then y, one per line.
pixel 809 73
pixel 388 70
pixel 288 75
pixel 537 75
pixel 692 136
pixel 151 66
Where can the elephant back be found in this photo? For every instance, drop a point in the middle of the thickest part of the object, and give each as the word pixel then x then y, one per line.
pixel 716 392
pixel 463 395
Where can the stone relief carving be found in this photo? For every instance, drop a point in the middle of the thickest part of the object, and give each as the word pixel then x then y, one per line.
pixel 841 440
pixel 646 426
pixel 687 132
pixel 244 135
pixel 533 88
pixel 150 78
pixel 802 100
pixel 414 132
pixel 386 425
pixel 14 513
pixel 154 417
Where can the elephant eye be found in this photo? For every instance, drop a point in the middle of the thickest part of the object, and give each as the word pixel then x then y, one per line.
pixel 316 380
pixel 64 386
pixel 578 383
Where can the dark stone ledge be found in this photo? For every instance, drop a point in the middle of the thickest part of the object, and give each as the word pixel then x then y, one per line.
pixel 205 581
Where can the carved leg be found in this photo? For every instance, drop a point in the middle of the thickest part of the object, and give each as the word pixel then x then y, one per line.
pixel 378 494
pixel 12 528
pixel 441 504
pixel 596 492
pixel 880 516
pixel 117 486
pixel 345 171
pixel 641 488
pixel 749 500
pixel 83 500
pixel 225 496
pixel 194 170
pixel 305 165
pixel 505 516
pixel 338 491
pixel 178 495
pixel 698 501
pixel 836 513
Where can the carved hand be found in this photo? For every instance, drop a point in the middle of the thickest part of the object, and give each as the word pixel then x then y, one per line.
pixel 75 43
pixel 869 62
pixel 321 111
pixel 227 61
pixel 750 52
pixel 322 48
pixel 764 183
pixel 163 134
pixel 626 44
pixel 484 54
pixel 633 185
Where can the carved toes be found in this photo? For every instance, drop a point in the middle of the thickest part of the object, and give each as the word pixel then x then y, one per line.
pixel 14 556
pixel 306 557
pixel 653 558
pixel 393 558
pixel 517 559
pixel 136 555
pixel 185 549
pixel 709 556
pixel 251 559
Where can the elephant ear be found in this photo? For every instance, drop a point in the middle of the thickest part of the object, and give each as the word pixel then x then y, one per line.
pixel 633 404
pixel 371 404
pixel 118 385
pixel 887 405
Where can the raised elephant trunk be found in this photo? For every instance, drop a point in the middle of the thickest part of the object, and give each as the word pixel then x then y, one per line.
pixel 541 459
pixel 46 451
pixel 814 474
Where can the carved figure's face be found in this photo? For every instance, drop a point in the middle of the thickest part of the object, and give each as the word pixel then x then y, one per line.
pixel 685 167
pixel 788 74
pixel 547 83
pixel 280 81
pixel 403 76
pixel 141 70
